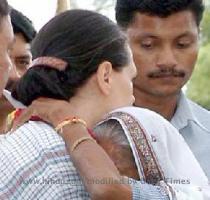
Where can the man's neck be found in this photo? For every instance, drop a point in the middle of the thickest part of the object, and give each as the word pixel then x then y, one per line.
pixel 165 106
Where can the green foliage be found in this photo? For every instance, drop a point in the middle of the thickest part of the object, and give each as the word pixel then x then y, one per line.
pixel 205 27
pixel 198 88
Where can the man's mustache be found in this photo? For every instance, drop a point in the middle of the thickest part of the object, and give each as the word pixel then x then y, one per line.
pixel 167 72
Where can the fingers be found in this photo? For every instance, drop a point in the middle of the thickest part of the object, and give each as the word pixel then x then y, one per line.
pixel 24 117
pixel 49 110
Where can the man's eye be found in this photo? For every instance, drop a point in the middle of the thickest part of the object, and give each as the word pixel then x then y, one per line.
pixel 183 43
pixel 146 45
pixel 22 63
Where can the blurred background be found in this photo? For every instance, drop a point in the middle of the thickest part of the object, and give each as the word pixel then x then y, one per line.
pixel 198 88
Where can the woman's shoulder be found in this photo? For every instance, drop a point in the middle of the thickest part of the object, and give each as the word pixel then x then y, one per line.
pixel 149 120
pixel 141 113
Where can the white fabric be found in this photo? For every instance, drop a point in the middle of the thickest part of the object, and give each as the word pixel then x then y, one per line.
pixel 182 171
pixel 13 102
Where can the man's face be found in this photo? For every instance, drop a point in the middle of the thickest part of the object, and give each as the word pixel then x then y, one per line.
pixel 6 41
pixel 165 51
pixel 21 57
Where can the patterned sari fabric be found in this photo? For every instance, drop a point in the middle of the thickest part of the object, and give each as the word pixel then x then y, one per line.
pixel 147 163
pixel 161 155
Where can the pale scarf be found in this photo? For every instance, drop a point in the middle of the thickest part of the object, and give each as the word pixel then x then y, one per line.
pixel 162 156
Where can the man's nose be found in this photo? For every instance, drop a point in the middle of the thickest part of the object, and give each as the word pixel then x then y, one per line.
pixel 14 75
pixel 166 58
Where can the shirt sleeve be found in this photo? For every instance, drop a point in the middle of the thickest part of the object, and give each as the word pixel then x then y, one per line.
pixel 144 191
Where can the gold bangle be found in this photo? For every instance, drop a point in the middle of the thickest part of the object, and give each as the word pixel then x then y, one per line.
pixel 62 124
pixel 78 120
pixel 74 120
pixel 80 140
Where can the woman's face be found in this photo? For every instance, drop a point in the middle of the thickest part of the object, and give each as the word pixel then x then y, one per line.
pixel 122 91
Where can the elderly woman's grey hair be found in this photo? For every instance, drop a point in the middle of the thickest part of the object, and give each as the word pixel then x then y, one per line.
pixel 111 137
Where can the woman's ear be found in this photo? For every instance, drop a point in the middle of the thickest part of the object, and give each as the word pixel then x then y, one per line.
pixel 104 77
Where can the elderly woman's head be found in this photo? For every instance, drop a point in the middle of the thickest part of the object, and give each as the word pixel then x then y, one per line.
pixel 111 137
pixel 92 51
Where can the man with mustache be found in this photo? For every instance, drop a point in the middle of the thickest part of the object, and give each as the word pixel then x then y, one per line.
pixel 21 50
pixel 21 57
pixel 164 37
pixel 6 41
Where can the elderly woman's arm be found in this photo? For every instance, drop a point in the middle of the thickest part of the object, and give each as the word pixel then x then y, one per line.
pixel 97 170
pixel 99 173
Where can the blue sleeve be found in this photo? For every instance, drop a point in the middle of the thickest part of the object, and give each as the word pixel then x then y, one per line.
pixel 144 191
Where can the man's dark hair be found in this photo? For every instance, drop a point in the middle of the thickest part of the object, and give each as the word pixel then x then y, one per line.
pixel 84 39
pixel 4 9
pixel 21 24
pixel 126 9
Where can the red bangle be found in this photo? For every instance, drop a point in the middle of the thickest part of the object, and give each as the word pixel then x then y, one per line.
pixel 91 133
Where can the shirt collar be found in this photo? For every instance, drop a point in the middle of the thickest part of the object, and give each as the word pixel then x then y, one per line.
pixel 184 114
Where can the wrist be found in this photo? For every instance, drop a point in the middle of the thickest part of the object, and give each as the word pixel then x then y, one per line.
pixel 73 132
pixel 58 118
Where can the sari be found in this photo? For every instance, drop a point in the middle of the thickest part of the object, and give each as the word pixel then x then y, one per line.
pixel 161 155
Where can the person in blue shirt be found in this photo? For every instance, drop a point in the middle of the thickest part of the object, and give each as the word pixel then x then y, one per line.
pixel 164 38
